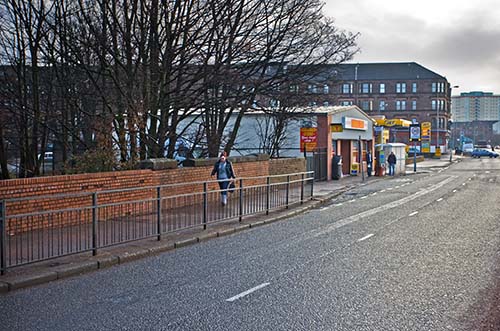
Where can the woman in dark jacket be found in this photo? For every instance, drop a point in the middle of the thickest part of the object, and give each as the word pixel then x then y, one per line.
pixel 224 170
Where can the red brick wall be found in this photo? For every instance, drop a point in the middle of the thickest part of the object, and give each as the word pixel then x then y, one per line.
pixel 78 191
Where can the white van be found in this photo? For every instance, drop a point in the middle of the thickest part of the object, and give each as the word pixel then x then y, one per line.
pixel 468 148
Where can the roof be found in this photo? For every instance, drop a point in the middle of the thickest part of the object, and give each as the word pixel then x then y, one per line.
pixel 332 110
pixel 380 71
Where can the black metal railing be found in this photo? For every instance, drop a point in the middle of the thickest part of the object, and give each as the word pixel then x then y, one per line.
pixel 90 221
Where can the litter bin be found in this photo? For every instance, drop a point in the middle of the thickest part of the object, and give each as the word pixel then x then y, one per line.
pixel 337 167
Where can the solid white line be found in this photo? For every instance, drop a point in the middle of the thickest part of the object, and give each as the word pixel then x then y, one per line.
pixel 414 213
pixel 440 199
pixel 242 294
pixel 366 237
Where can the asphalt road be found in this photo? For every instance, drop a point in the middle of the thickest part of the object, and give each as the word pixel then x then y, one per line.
pixel 419 252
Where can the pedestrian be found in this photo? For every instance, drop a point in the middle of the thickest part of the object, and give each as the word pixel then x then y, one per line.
pixel 369 162
pixel 224 170
pixel 392 163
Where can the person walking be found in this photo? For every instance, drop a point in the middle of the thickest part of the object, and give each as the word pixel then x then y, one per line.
pixel 392 163
pixel 369 163
pixel 224 170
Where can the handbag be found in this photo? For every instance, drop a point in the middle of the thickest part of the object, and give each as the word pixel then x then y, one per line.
pixel 231 187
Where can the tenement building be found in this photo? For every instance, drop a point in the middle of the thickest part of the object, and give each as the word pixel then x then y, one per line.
pixel 394 90
pixel 476 115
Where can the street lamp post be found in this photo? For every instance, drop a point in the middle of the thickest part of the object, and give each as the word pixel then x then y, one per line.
pixel 451 133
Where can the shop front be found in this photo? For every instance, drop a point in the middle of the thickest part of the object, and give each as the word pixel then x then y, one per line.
pixel 350 137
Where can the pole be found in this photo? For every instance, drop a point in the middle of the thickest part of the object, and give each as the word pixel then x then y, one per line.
pixel 158 213
pixel 94 224
pixel 361 158
pixel 414 157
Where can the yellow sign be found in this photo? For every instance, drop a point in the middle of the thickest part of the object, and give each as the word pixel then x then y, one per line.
pixel 354 168
pixel 438 151
pixel 397 122
pixel 426 130
pixel 336 127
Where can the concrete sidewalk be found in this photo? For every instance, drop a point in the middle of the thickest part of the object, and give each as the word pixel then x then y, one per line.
pixel 72 265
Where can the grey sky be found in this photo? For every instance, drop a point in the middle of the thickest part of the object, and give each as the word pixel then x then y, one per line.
pixel 458 39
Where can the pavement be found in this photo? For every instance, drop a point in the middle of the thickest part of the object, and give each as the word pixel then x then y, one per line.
pixel 73 265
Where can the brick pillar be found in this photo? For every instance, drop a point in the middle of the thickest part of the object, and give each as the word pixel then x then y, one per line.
pixel 325 140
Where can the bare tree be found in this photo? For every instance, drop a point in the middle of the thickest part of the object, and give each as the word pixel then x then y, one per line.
pixel 252 44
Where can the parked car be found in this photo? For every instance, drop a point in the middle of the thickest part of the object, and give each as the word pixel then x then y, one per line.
pixel 477 153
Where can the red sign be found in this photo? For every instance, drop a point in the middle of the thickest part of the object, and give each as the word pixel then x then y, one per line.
pixel 308 138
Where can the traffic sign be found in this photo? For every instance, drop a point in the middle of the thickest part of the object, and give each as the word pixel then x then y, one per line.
pixel 415 132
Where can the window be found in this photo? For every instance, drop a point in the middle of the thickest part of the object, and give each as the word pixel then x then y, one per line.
pixel 400 87
pixel 326 89
pixel 382 105
pixel 382 88
pixel 414 105
pixel 273 103
pixel 438 87
pixel 414 88
pixel 400 104
pixel 365 88
pixel 325 104
pixel 347 88
pixel 312 88
pixel 437 104
pixel 294 88
pixel 346 103
pixel 366 105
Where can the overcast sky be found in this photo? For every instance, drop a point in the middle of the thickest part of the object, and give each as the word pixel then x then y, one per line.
pixel 459 39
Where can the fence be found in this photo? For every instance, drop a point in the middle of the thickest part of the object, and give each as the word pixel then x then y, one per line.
pixel 94 221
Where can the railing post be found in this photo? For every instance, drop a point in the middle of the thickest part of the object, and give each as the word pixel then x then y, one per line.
pixel 287 190
pixel 3 229
pixel 302 189
pixel 311 177
pixel 205 205
pixel 268 195
pixel 241 199
pixel 158 212
pixel 94 223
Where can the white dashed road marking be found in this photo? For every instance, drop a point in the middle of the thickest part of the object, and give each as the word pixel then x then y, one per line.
pixel 414 213
pixel 242 294
pixel 366 237
pixel 440 199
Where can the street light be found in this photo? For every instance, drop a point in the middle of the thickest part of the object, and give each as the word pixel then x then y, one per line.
pixel 438 122
pixel 451 133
